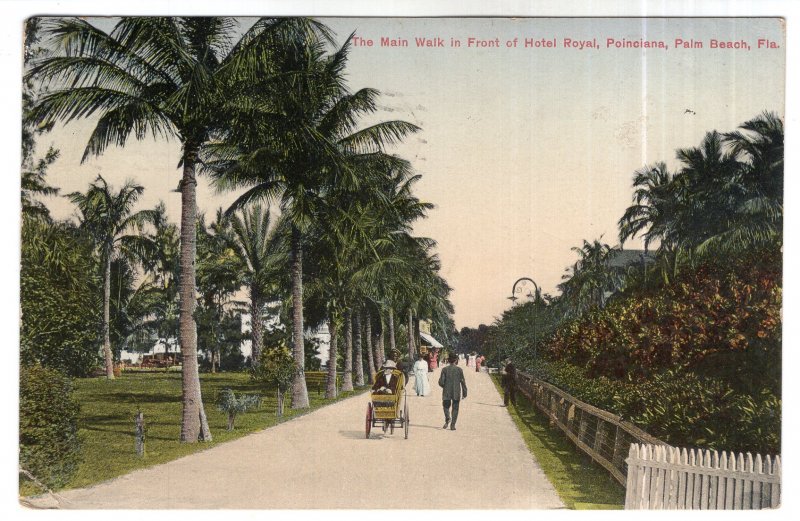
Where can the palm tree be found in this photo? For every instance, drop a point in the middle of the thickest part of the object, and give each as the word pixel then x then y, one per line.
pixel 160 288
pixel 34 185
pixel 166 77
pixel 252 237
pixel 110 219
pixel 307 144
pixel 592 278
pixel 755 218
pixel 759 144
pixel 219 276
pixel 653 211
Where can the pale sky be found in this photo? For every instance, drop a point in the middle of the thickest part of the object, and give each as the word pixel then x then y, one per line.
pixel 525 152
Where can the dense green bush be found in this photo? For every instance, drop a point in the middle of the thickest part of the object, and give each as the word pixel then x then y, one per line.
pixel 59 299
pixel 718 321
pixel 697 362
pixel 48 430
pixel 691 410
pixel 683 409
pixel 601 392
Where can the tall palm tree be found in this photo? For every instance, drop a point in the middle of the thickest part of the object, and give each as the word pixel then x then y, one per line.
pixel 653 211
pixel 708 191
pixel 755 218
pixel 166 77
pixel 759 144
pixel 117 230
pixel 219 276
pixel 161 289
pixel 304 145
pixel 255 240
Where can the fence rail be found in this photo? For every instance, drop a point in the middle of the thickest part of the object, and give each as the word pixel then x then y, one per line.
pixel 602 435
pixel 662 477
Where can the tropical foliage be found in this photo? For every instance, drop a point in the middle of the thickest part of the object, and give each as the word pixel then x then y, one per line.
pixel 686 343
pixel 60 290
pixel 110 221
pixel 233 405
pixel 266 112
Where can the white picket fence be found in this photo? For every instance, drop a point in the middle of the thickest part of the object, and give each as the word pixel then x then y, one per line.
pixel 662 477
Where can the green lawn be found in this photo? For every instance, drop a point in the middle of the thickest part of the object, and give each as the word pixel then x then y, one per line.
pixel 581 484
pixel 107 415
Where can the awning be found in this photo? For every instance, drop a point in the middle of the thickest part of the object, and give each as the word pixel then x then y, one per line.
pixel 430 340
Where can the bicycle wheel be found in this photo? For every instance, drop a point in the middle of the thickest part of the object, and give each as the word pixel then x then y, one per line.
pixel 406 421
pixel 368 423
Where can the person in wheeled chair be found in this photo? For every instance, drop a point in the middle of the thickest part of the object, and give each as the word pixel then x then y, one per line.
pixel 390 379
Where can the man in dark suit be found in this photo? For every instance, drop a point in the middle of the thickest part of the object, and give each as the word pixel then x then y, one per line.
pixel 451 380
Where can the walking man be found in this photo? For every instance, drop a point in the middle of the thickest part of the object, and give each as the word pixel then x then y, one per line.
pixel 509 381
pixel 451 380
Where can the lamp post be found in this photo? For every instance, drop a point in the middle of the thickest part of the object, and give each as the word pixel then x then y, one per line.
pixel 513 298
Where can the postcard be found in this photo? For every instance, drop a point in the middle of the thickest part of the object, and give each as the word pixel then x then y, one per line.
pixel 402 262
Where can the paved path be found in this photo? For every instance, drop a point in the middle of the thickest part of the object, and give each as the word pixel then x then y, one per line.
pixel 322 460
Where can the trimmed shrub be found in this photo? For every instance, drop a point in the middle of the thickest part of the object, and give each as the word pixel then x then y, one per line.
pixel 690 410
pixel 48 426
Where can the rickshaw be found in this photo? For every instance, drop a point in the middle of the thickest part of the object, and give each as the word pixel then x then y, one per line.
pixel 384 411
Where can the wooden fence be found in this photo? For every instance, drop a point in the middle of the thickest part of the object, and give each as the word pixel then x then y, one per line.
pixel 669 478
pixel 600 434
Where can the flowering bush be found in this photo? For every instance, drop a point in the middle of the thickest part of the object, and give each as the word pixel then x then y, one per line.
pixel 694 363
pixel 712 322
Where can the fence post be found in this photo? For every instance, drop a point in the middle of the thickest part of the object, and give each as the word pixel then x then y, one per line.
pixel 616 455
pixel 139 422
pixel 633 478
pixel 599 436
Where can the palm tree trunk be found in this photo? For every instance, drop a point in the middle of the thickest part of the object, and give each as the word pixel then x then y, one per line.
pixel 299 390
pixel 358 363
pixel 411 345
pixel 380 354
pixel 347 382
pixel 368 339
pixel 194 425
pixel 255 326
pixel 107 355
pixel 392 346
pixel 330 390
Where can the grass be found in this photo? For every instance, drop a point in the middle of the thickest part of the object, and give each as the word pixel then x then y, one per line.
pixel 581 484
pixel 108 407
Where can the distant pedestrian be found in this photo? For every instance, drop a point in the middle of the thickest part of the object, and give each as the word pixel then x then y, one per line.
pixel 478 361
pixel 451 380
pixel 509 382
pixel 421 384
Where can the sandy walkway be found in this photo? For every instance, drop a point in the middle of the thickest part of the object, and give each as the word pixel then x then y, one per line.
pixel 322 460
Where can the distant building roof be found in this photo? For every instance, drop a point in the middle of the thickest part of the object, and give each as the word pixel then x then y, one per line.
pixel 624 258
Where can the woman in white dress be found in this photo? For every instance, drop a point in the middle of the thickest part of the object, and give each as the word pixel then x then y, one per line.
pixel 421 384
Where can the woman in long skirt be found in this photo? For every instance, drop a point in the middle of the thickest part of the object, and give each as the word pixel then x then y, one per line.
pixel 421 384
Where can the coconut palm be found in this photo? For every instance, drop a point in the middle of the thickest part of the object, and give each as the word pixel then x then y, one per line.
pixel 755 218
pixel 254 239
pixel 117 231
pixel 653 211
pixel 307 144
pixel 219 276
pixel 166 77
pixel 159 290
pixel 759 144
pixel 592 279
